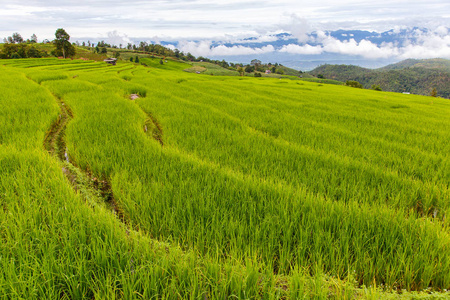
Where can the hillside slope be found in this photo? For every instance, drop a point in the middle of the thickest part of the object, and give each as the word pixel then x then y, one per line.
pixel 217 187
pixel 412 76
pixel 435 63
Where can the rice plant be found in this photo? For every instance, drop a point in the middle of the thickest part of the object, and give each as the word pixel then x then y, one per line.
pixel 249 188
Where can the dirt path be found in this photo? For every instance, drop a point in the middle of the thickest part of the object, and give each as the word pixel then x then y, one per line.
pixel 153 128
pixel 54 140
pixel 95 191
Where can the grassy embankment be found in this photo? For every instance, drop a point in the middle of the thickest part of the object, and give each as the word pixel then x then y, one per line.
pixel 269 187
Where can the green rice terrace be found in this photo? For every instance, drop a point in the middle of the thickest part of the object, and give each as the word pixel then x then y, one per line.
pixel 149 182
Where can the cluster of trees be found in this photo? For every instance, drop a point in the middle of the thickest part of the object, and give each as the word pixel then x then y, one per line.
pixel 102 50
pixel 16 47
pixel 149 48
pixel 101 47
pixel 257 66
pixel 16 38
pixel 21 51
pixel 136 60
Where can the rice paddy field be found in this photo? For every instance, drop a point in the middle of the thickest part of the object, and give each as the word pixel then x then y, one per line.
pixel 217 187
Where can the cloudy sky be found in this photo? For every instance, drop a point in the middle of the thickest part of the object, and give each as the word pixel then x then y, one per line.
pixel 195 24
pixel 208 19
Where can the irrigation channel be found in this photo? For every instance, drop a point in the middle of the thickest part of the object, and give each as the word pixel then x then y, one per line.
pixel 93 189
pixel 152 128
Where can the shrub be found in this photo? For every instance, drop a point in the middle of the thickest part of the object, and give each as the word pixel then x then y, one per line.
pixel 434 93
pixel 376 87
pixel 354 84
pixel 249 69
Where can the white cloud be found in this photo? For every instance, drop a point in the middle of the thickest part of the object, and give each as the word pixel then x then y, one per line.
pixel 266 39
pixel 244 39
pixel 116 38
pixel 428 45
pixel 442 31
pixel 20 10
pixel 204 48
pixel 240 50
pixel 305 49
pixel 364 48
pixel 298 27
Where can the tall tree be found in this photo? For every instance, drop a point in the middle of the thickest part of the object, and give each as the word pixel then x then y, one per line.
pixel 62 44
pixel 240 70
pixel 33 38
pixel 190 57
pixel 17 38
pixel 255 62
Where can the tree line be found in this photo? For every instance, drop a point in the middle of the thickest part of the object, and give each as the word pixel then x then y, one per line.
pixel 16 47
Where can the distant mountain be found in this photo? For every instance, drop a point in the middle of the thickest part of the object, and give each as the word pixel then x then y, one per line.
pixel 435 63
pixel 412 76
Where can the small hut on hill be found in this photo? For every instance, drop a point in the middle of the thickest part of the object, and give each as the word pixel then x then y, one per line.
pixel 110 61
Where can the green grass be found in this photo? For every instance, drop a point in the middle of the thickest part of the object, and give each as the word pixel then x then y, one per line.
pixel 322 80
pixel 125 54
pixel 167 64
pixel 211 69
pixel 254 187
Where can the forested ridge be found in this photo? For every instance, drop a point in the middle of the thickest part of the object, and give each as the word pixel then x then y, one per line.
pixel 411 76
